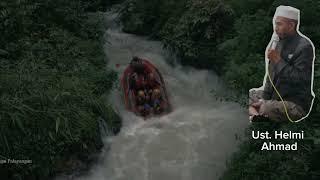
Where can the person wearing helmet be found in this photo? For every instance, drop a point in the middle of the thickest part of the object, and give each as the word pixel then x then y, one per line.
pixel 142 103
pixel 157 101
pixel 151 84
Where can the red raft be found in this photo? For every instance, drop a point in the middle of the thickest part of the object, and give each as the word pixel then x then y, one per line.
pixel 130 97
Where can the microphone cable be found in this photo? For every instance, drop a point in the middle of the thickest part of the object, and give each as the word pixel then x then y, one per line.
pixel 279 95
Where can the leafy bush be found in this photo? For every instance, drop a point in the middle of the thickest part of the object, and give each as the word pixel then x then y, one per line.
pixel 191 28
pixel 244 53
pixel 54 85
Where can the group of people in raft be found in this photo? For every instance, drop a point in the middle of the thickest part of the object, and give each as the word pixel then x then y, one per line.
pixel 146 87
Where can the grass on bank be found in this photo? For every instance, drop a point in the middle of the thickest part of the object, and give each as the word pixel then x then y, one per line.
pixel 54 84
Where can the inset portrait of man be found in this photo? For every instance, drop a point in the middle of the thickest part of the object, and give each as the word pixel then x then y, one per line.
pixel 287 91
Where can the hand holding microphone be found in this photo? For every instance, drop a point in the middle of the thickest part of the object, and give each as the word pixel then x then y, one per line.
pixel 273 55
pixel 275 41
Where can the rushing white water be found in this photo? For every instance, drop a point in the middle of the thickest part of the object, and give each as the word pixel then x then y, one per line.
pixel 191 143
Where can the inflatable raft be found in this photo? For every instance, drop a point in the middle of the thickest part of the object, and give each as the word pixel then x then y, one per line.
pixel 162 106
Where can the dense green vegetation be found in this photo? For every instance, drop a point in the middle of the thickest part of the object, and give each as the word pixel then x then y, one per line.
pixel 230 36
pixel 54 84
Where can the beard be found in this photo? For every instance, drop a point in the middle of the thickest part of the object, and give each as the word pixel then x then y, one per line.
pixel 283 35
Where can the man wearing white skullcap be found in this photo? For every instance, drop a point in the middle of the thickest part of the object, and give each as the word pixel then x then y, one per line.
pixel 286 20
pixel 288 12
pixel 290 69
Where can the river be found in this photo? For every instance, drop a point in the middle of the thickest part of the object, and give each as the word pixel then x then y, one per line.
pixel 193 142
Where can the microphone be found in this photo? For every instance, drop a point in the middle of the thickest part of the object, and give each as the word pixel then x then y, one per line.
pixel 275 41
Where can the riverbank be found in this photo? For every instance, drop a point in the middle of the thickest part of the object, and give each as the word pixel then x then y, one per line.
pixel 229 37
pixel 54 87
